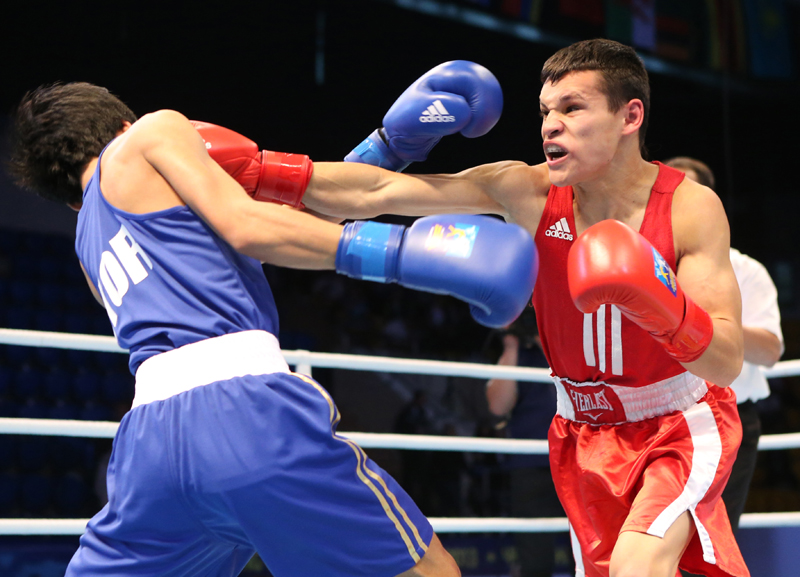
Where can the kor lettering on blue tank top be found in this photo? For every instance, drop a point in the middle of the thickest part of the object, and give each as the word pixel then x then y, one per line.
pixel 117 266
pixel 166 279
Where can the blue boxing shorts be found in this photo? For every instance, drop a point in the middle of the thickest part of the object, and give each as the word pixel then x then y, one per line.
pixel 206 470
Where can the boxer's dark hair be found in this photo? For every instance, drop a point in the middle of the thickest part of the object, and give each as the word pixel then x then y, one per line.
pixel 623 72
pixel 57 129
pixel 704 174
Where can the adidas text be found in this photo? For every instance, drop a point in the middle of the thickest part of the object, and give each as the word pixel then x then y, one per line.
pixel 558 234
pixel 437 118
pixel 436 112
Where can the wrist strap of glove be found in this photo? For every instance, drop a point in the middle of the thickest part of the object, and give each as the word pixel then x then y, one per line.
pixel 369 250
pixel 693 336
pixel 374 150
pixel 283 178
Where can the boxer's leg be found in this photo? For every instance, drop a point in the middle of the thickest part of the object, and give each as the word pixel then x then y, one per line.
pixel 277 476
pixel 148 529
pixel 642 555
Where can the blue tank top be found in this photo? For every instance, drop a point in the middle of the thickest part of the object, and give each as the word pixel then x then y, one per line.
pixel 166 278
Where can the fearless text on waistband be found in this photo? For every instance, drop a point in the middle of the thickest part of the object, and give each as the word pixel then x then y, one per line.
pixel 605 404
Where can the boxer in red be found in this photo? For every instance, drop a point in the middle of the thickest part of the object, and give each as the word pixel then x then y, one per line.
pixel 637 305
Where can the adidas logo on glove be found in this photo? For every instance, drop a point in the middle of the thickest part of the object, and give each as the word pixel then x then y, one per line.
pixel 559 230
pixel 436 112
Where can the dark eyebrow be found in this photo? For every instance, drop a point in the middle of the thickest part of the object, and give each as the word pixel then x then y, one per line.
pixel 566 97
pixel 572 96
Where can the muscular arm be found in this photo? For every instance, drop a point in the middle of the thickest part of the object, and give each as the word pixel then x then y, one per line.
pixel 348 190
pixel 761 317
pixel 761 347
pixel 502 393
pixel 265 231
pixel 702 239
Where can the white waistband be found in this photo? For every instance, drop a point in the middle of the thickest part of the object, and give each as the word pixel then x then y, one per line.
pixel 677 393
pixel 208 361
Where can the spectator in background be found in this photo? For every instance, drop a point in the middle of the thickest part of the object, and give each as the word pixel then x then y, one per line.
pixel 446 479
pixel 528 408
pixel 763 346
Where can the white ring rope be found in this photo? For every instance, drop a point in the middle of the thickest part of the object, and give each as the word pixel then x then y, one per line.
pixel 440 524
pixel 336 360
pixel 107 430
pixel 306 359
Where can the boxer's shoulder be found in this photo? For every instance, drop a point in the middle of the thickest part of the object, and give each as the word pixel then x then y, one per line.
pixel 157 127
pixel 129 178
pixel 697 216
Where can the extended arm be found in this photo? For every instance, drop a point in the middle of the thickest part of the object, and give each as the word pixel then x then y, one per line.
pixel 341 191
pixel 349 190
pixel 446 254
pixel 266 231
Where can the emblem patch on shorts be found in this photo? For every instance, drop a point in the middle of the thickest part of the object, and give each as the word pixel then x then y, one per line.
pixel 664 273
pixel 454 240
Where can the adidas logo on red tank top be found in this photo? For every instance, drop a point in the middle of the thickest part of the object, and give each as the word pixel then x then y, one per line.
pixel 560 230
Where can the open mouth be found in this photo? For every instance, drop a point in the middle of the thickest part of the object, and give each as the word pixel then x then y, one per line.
pixel 554 152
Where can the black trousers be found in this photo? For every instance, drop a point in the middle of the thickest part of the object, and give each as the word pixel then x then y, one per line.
pixel 735 494
pixel 533 494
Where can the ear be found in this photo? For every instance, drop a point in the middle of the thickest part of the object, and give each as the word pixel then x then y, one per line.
pixel 633 116
pixel 125 126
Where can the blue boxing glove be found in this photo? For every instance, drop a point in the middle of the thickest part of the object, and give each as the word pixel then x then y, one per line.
pixel 457 96
pixel 484 261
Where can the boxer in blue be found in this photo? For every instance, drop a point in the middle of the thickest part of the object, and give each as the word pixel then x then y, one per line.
pixel 225 452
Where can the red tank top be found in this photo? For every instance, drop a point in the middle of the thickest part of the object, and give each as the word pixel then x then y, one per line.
pixel 605 345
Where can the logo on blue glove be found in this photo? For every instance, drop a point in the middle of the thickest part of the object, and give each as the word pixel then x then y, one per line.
pixel 664 273
pixel 436 112
pixel 454 240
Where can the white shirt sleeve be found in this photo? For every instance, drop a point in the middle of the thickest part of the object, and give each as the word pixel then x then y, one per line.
pixel 759 310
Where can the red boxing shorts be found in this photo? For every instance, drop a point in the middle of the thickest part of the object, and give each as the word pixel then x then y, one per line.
pixel 641 476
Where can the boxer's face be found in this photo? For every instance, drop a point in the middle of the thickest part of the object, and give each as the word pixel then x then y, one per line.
pixel 579 131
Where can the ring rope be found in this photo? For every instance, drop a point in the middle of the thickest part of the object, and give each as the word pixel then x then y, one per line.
pixel 337 360
pixel 440 524
pixel 107 430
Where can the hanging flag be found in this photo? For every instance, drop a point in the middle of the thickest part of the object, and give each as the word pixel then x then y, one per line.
pixel 535 12
pixel 618 21
pixel 768 38
pixel 590 11
pixel 643 20
pixel 511 7
pixel 676 30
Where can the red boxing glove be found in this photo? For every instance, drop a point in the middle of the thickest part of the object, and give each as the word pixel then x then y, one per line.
pixel 265 175
pixel 610 263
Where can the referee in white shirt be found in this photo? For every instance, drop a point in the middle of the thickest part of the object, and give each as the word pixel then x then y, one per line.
pixel 763 346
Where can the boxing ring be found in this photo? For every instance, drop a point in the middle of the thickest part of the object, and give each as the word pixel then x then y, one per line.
pixel 304 361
